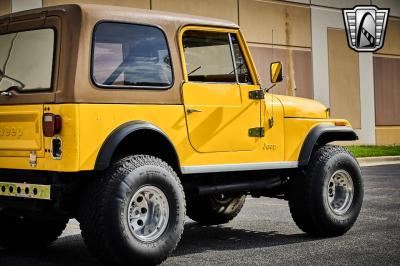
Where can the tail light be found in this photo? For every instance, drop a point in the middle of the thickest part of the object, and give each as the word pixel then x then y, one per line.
pixel 52 124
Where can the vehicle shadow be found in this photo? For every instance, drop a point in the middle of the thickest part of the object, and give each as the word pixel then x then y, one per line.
pixel 66 251
pixel 198 239
pixel 71 250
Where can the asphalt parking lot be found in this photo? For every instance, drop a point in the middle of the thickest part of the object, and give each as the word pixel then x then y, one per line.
pixel 264 234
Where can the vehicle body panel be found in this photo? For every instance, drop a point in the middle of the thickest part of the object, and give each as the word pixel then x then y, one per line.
pixel 222 116
pixel 302 108
pixel 301 127
pixel 82 140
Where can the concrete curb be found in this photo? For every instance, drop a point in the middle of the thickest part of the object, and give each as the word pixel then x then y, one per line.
pixel 382 160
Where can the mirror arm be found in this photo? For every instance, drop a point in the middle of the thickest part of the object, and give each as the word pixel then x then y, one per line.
pixel 268 89
pixel 259 94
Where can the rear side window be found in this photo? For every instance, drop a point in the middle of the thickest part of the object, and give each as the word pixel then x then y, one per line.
pixel 26 60
pixel 130 55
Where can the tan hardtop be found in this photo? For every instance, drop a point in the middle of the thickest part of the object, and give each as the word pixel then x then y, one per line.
pixel 110 12
pixel 72 82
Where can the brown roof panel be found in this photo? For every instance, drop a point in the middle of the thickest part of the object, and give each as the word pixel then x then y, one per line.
pixel 106 12
pixel 134 14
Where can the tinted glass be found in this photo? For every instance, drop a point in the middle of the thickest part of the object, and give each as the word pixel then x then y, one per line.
pixel 208 57
pixel 26 60
pixel 241 66
pixel 131 55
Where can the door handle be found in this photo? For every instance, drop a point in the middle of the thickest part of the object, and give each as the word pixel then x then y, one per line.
pixel 190 110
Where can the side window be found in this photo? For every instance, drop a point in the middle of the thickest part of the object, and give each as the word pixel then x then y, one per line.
pixel 130 55
pixel 241 66
pixel 208 57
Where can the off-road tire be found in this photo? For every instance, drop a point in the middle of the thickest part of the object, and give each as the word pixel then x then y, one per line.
pixel 210 210
pixel 103 214
pixel 308 201
pixel 29 232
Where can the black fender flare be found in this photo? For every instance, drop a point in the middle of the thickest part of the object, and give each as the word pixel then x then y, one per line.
pixel 323 134
pixel 111 143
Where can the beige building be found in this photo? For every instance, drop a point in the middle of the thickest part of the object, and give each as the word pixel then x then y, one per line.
pixel 308 36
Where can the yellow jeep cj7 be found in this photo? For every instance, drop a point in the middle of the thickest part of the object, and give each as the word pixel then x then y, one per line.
pixel 129 119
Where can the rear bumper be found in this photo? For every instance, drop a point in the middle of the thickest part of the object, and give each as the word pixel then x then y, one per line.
pixel 40 190
pixel 25 190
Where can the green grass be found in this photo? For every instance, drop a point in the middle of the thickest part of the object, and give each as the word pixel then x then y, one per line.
pixel 374 151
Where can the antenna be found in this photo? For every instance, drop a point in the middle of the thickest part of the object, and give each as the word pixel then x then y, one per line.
pixel 271 119
pixel 273 55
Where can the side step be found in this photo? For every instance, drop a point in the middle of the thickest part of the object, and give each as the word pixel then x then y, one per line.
pixel 23 190
pixel 254 185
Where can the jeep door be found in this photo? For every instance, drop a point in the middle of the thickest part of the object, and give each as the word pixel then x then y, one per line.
pixel 219 113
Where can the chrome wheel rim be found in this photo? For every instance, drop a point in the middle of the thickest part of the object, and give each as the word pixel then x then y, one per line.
pixel 340 192
pixel 148 213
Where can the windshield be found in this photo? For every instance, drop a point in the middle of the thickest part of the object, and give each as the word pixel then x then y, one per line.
pixel 26 60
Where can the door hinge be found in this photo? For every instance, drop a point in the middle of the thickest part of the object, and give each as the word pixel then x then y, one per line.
pixel 257 132
pixel 256 95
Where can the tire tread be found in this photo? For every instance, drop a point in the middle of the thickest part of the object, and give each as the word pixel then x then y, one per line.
pixel 92 218
pixel 301 193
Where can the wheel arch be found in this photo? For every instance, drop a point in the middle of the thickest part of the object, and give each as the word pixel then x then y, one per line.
pixel 134 137
pixel 323 134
